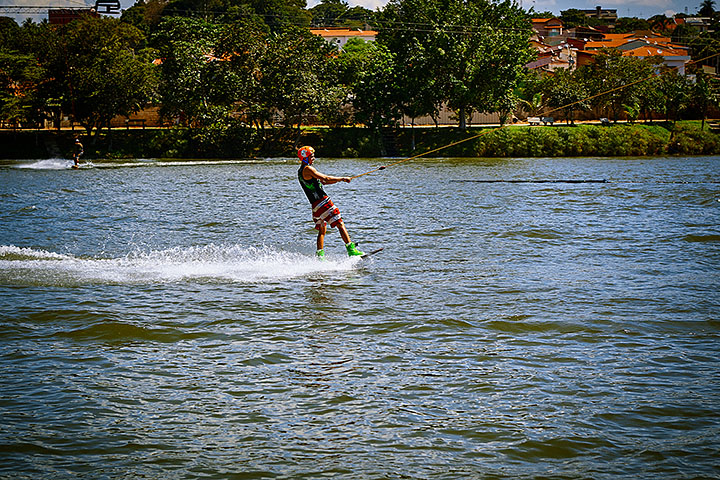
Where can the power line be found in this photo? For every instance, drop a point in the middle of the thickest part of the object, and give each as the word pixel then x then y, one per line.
pixel 411 27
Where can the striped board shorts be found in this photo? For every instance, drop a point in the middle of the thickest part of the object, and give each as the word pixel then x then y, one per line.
pixel 325 211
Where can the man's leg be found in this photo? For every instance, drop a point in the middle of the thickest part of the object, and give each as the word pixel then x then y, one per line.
pixel 321 236
pixel 343 232
pixel 351 248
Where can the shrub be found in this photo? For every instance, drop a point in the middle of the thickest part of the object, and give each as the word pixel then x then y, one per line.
pixel 691 140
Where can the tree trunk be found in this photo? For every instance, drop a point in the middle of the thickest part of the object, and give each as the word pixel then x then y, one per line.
pixel 297 137
pixel 412 129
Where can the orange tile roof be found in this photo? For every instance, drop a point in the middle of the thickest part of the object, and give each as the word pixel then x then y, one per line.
pixel 617 36
pixel 646 51
pixel 596 44
pixel 651 50
pixel 343 32
pixel 618 40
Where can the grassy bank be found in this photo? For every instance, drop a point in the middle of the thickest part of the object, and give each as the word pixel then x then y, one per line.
pixel 683 138
pixel 620 140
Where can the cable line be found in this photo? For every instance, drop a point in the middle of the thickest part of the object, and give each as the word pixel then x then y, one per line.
pixel 485 132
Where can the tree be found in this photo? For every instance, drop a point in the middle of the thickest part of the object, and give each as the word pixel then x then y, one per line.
pixel 273 14
pixel 136 16
pixel 347 67
pixel 329 13
pixel 705 50
pixel 531 90
pixel 243 45
pixel 337 13
pixel 213 71
pixel 42 86
pixel 676 93
pixel 535 105
pixel 707 8
pixel 627 24
pixel 658 23
pixel 617 79
pixel 651 99
pixel 574 17
pixel 567 93
pixel 632 112
pixel 20 76
pixel 206 10
pixel 377 90
pixel 545 14
pixel 9 33
pixel 359 17
pixel 704 93
pixel 297 83
pixel 94 68
pixel 466 53
pixel 684 34
pixel 105 72
pixel 279 14
pixel 195 84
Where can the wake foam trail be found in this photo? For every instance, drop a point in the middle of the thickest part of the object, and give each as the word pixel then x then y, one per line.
pixel 148 163
pixel 210 263
pixel 66 164
pixel 49 164
pixel 13 253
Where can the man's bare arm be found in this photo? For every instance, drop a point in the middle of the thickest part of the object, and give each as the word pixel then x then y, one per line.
pixel 324 179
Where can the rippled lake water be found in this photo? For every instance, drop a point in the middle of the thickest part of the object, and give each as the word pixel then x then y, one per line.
pixel 525 320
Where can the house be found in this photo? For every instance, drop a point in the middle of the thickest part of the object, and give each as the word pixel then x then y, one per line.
pixel 618 40
pixel 63 16
pixel 607 15
pixel 553 57
pixel 630 45
pixel 673 56
pixel 340 36
pixel 547 27
pixel 701 23
pixel 552 45
pixel 586 33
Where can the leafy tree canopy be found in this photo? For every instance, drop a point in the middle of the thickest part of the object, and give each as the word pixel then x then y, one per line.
pixel 467 54
pixel 107 72
pixel 684 34
pixel 621 79
pixel 575 18
pixel 627 25
pixel 9 33
pixel 337 13
pixel 271 13
pixel 707 8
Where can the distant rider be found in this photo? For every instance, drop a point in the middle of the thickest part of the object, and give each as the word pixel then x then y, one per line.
pixel 324 211
pixel 77 153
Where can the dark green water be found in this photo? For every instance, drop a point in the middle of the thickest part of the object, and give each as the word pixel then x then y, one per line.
pixel 168 320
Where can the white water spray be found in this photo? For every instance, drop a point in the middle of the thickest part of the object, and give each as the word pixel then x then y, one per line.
pixel 206 264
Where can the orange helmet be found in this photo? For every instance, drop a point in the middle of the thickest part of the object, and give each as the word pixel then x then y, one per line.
pixel 304 153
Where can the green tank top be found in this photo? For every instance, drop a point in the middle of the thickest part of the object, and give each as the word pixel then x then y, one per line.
pixel 312 188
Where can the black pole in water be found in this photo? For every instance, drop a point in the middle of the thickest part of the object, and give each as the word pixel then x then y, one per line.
pixel 534 181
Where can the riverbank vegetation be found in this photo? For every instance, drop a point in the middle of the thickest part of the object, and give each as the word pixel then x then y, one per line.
pixel 246 78
pixel 665 138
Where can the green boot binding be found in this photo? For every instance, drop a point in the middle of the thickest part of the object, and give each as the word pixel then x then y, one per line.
pixel 353 251
pixel 320 254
